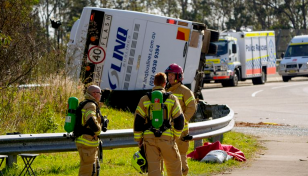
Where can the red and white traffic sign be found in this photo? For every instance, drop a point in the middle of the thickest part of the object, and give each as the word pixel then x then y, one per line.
pixel 96 54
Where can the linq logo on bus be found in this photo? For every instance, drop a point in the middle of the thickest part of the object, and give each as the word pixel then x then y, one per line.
pixel 117 58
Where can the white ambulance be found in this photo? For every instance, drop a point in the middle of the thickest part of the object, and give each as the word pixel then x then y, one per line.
pixel 241 56
pixel 294 62
pixel 123 50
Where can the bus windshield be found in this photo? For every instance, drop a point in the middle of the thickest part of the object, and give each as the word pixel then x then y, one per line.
pixel 222 47
pixel 297 50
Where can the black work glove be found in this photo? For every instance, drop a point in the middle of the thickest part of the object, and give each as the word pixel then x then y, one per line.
pixel 187 138
pixel 104 122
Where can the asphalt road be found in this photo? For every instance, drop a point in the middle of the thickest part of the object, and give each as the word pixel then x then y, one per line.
pixel 274 102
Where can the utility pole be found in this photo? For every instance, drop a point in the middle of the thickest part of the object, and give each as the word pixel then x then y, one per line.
pixel 47 30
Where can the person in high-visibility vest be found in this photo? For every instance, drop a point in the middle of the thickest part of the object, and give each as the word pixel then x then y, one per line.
pixel 87 144
pixel 188 104
pixel 162 144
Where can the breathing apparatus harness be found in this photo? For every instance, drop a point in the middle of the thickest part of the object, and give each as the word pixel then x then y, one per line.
pixel 166 121
pixel 79 128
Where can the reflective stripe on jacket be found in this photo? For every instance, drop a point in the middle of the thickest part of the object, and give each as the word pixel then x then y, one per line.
pixel 88 111
pixel 187 101
pixel 85 141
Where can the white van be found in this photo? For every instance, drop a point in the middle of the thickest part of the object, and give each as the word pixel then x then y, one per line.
pixel 294 62
pixel 123 50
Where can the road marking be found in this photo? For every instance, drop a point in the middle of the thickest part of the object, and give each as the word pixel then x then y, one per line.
pixel 288 86
pixel 254 94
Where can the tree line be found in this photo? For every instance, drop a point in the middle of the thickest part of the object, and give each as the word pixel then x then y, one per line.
pixel 30 47
pixel 217 14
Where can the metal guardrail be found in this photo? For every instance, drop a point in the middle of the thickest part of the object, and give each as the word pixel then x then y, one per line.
pixel 56 142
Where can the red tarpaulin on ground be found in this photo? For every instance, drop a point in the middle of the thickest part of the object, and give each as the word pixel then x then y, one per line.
pixel 200 152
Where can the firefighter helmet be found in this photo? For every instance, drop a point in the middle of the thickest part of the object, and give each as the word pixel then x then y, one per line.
pixel 175 68
pixel 139 161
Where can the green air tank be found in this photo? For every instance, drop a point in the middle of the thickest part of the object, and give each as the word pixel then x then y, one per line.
pixel 157 110
pixel 70 118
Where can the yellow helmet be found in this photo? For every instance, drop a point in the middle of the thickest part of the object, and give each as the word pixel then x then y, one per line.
pixel 139 161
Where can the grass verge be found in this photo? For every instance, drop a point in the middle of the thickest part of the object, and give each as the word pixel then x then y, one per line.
pixel 42 110
pixel 117 161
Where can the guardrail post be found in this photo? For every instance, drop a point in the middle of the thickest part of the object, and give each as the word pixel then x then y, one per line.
pixel 198 143
pixel 11 159
pixel 218 138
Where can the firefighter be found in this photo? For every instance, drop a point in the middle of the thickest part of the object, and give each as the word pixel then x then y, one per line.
pixel 87 144
pixel 188 104
pixel 164 146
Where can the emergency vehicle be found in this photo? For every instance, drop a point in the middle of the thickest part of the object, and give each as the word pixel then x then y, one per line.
pixel 240 56
pixel 122 50
pixel 295 61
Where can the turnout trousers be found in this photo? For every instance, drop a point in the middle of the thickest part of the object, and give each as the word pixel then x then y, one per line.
pixel 88 157
pixel 157 149
pixel 183 148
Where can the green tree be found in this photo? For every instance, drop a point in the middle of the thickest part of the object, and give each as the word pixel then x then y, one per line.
pixel 293 10
pixel 184 5
pixel 20 33
pixel 220 13
pixel 74 9
pixel 167 7
pixel 241 15
pixel 261 13
pixel 105 4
